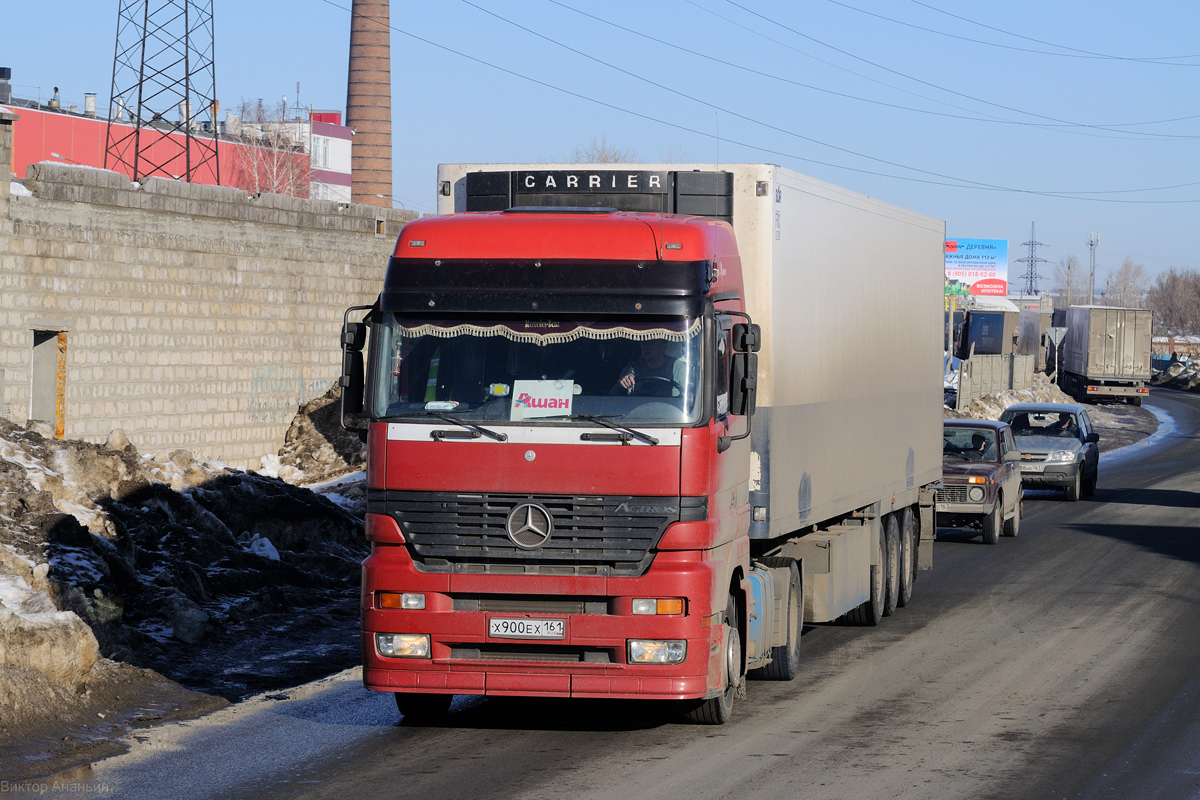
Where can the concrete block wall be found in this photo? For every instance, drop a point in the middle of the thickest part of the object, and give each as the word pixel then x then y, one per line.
pixel 195 317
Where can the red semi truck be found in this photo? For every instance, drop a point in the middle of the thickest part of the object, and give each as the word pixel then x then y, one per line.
pixel 613 455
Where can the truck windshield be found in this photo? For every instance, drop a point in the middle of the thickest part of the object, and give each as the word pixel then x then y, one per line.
pixel 638 371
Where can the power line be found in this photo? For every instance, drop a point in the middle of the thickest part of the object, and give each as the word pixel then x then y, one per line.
pixel 782 79
pixel 1150 60
pixel 1075 54
pixel 923 82
pixel 770 151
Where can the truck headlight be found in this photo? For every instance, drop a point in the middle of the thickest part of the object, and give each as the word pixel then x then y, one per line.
pixel 656 651
pixel 975 494
pixel 1062 455
pixel 402 645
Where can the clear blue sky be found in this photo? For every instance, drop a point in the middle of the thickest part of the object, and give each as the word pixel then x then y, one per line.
pixel 911 101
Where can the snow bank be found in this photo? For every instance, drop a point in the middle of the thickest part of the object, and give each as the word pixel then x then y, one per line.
pixel 991 406
pixel 227 581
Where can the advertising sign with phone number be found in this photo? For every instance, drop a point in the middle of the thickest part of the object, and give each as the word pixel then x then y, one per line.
pixel 977 266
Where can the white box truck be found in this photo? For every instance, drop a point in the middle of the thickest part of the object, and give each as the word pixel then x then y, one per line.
pixel 1106 354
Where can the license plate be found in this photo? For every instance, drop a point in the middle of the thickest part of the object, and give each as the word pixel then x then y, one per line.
pixel 501 628
pixel 1033 467
pixel 943 506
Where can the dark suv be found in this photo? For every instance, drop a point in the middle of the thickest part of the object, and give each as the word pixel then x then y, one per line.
pixel 1058 444
pixel 981 478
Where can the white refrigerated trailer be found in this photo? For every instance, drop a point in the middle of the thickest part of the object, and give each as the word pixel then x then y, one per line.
pixel 848 290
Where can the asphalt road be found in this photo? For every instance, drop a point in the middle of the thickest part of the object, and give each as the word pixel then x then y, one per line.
pixel 1064 663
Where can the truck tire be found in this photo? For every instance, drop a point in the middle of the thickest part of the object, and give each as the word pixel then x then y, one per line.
pixel 1135 401
pixel 718 710
pixel 785 658
pixel 1076 488
pixel 1013 526
pixel 891 534
pixel 991 525
pixel 422 709
pixel 907 557
pixel 871 612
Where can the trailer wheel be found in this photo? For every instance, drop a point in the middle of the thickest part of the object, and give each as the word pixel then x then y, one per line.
pixel 1013 526
pixel 891 539
pixel 785 658
pixel 871 612
pixel 907 559
pixel 718 710
pixel 422 709
pixel 991 524
pixel 1135 401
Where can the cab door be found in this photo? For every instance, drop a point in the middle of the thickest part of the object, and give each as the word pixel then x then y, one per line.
pixel 1010 471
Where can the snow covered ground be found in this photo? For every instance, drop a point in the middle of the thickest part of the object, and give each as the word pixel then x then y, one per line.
pixel 226 581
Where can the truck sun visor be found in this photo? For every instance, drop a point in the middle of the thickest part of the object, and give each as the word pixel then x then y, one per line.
pixel 554 332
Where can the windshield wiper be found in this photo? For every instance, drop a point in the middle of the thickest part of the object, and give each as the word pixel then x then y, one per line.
pixel 478 429
pixel 602 421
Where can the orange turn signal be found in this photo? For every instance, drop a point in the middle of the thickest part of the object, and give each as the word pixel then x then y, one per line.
pixel 670 605
pixel 976 479
pixel 389 600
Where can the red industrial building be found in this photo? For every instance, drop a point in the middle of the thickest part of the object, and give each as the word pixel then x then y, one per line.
pixel 317 148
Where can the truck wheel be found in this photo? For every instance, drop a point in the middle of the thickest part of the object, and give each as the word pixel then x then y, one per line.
pixel 991 525
pixel 718 710
pixel 1135 401
pixel 907 557
pixel 871 612
pixel 785 658
pixel 891 540
pixel 1075 489
pixel 422 709
pixel 1013 526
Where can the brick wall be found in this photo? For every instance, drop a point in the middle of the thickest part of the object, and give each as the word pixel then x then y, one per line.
pixel 195 317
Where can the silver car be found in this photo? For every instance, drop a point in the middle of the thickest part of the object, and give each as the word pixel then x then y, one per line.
pixel 1058 445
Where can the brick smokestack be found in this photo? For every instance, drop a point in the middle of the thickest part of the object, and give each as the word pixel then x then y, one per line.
pixel 369 103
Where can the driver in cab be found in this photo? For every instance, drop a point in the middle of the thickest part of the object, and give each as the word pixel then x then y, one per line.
pixel 654 373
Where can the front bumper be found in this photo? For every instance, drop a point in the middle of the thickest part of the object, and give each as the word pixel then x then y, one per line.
pixel 962 515
pixel 590 661
pixel 1049 475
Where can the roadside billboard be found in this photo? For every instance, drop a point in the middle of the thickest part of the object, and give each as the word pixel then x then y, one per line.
pixel 977 266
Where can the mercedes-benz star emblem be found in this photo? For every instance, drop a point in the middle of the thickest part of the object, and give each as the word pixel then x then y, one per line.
pixel 529 526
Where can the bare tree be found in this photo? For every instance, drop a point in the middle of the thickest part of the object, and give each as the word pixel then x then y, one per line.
pixel 1068 288
pixel 677 154
pixel 271 153
pixel 601 152
pixel 1175 300
pixel 1126 288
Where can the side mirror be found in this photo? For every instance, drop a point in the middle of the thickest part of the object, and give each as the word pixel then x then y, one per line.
pixel 1011 455
pixel 743 384
pixel 746 337
pixel 352 380
pixel 1092 437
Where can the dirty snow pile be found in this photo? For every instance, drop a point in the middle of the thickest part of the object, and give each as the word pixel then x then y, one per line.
pixel 1180 375
pixel 226 581
pixel 992 405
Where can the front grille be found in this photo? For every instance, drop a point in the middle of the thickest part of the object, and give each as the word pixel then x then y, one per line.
pixel 1033 456
pixel 952 494
pixel 610 535
pixel 527 604
pixel 517 652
